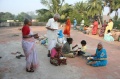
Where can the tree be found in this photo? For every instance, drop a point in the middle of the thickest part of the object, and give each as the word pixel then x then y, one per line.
pixel 6 16
pixel 95 8
pixel 81 8
pixel 113 5
pixel 66 9
pixel 43 15
pixel 53 5
pixel 23 16
pixel 32 14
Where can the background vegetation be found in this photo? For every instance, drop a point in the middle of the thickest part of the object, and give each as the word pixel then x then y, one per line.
pixel 89 10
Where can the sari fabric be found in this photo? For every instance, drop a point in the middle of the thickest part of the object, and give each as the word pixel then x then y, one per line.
pixel 28 45
pixel 67 27
pixel 109 27
pixel 100 58
pixel 55 58
pixel 102 30
pixel 95 28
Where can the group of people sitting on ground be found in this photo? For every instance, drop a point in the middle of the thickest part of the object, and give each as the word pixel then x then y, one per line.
pixel 60 52
pixel 105 30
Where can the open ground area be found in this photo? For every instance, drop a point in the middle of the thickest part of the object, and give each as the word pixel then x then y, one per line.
pixel 76 68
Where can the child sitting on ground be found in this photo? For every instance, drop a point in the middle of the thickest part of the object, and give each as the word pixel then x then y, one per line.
pixel 83 48
pixel 66 49
pixel 108 36
pixel 85 29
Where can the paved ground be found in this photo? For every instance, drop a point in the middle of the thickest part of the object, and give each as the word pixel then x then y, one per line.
pixel 12 68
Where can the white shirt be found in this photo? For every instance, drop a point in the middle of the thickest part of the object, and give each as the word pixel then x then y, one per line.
pixel 82 22
pixel 54 25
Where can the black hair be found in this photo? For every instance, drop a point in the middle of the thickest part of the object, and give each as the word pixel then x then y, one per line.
pixel 26 21
pixel 83 42
pixel 69 40
pixel 87 26
pixel 108 31
pixel 111 19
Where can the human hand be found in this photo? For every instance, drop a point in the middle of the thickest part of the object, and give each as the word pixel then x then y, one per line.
pixel 76 45
pixel 51 29
pixel 89 58
pixel 36 35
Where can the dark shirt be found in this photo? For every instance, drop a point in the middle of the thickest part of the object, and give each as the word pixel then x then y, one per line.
pixel 66 48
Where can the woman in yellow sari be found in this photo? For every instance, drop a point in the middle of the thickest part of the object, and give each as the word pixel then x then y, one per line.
pixel 109 26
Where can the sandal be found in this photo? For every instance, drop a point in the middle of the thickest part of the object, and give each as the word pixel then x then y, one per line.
pixel 18 52
pixel 18 57
pixel 31 70
pixel 21 55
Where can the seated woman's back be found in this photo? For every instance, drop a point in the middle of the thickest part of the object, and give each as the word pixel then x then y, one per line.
pixel 53 53
pixel 108 36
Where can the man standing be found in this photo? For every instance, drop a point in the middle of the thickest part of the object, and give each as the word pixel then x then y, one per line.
pixel 81 25
pixel 52 27
pixel 75 23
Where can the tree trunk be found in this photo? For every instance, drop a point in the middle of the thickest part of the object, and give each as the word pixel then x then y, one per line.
pixel 100 21
pixel 116 15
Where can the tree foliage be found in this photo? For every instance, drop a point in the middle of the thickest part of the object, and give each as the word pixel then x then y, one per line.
pixel 53 5
pixel 23 16
pixel 114 6
pixel 6 16
pixel 87 10
pixel 43 15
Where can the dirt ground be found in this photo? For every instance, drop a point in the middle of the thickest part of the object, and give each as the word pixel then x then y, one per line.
pixel 76 68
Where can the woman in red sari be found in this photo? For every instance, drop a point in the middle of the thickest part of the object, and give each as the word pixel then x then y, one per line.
pixel 67 27
pixel 95 27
